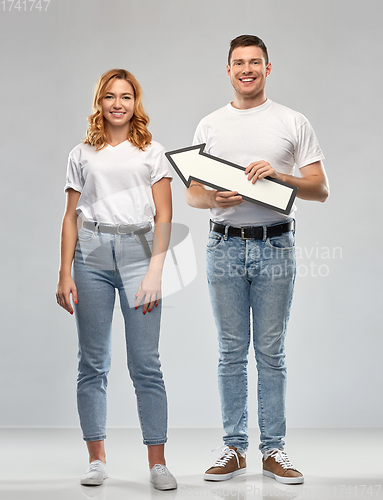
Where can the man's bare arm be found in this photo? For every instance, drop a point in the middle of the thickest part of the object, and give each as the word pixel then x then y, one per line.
pixel 198 196
pixel 313 185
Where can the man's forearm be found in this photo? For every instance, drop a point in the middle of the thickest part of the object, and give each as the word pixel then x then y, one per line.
pixel 314 188
pixel 199 197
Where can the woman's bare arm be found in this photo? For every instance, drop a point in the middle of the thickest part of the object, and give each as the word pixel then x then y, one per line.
pixel 150 287
pixel 66 285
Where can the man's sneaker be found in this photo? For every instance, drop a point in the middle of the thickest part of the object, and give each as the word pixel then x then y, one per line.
pixel 277 465
pixel 230 463
pixel 95 474
pixel 162 478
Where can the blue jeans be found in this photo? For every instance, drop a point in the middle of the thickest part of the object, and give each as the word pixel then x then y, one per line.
pixel 102 264
pixel 252 278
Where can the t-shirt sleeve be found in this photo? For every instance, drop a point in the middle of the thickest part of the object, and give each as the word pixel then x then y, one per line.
pixel 161 168
pixel 199 135
pixel 307 149
pixel 73 176
pixel 200 138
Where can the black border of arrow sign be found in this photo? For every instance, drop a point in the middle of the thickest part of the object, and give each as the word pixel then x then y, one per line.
pixel 201 147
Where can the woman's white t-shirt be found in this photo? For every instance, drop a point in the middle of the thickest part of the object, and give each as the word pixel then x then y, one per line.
pixel 115 183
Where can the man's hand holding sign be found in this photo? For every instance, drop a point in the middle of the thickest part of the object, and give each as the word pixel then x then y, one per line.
pixel 192 164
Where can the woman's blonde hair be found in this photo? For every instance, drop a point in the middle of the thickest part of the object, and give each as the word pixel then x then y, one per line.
pixel 97 133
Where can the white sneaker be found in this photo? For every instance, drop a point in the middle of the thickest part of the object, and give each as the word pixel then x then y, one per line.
pixel 162 478
pixel 95 474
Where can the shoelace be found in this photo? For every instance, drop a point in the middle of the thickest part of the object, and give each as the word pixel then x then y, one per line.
pixel 280 457
pixel 226 455
pixel 162 469
pixel 94 466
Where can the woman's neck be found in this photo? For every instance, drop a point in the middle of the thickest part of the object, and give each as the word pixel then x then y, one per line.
pixel 117 135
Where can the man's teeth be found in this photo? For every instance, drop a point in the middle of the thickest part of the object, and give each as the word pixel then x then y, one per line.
pixel 247 79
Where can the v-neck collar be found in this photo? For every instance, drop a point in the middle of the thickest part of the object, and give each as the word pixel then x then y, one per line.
pixel 113 148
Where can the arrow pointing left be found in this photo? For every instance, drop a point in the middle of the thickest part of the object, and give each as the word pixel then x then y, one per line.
pixel 193 164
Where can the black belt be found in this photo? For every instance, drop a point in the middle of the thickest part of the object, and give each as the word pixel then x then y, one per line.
pixel 121 229
pixel 254 232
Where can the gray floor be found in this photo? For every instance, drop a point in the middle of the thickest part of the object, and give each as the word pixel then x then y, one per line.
pixel 47 463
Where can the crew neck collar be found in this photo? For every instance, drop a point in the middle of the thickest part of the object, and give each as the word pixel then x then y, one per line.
pixel 256 109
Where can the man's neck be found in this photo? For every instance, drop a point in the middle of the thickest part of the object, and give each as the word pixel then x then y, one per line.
pixel 242 102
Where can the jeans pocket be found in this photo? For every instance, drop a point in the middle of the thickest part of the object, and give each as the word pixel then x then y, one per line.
pixel 285 241
pixel 214 240
pixel 148 236
pixel 85 234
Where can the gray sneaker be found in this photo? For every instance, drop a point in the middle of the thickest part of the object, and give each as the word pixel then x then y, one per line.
pixel 95 474
pixel 162 478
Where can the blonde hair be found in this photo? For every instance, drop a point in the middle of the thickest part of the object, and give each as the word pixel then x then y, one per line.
pixel 97 133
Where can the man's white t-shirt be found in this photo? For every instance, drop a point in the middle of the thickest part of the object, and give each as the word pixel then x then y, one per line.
pixel 270 132
pixel 115 183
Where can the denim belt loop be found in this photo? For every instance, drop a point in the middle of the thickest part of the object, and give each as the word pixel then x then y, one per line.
pixel 264 237
pixel 226 232
pixel 96 226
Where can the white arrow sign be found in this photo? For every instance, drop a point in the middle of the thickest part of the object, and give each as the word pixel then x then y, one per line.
pixel 192 164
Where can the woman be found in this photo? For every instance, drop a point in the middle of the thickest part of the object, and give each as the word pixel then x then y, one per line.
pixel 118 183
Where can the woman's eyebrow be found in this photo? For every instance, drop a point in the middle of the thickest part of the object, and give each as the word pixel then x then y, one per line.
pixel 125 93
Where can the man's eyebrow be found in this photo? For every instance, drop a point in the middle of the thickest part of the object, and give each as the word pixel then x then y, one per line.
pixel 254 59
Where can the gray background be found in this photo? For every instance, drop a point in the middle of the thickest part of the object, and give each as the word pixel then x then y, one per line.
pixel 326 59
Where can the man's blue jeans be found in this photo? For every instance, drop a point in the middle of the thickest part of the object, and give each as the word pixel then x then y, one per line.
pixel 102 264
pixel 252 279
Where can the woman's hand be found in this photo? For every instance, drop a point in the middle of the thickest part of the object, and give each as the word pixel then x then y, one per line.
pixel 65 287
pixel 149 291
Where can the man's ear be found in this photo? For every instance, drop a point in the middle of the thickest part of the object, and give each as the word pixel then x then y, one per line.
pixel 268 69
pixel 228 70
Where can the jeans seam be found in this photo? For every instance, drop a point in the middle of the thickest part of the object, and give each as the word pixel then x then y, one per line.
pixel 260 402
pixel 138 399
pixel 99 437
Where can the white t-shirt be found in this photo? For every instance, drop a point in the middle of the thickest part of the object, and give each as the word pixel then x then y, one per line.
pixel 270 132
pixel 115 183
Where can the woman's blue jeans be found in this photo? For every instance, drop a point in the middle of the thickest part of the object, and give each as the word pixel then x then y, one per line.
pixel 252 279
pixel 102 264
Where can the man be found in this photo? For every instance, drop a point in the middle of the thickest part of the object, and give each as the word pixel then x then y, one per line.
pixel 250 254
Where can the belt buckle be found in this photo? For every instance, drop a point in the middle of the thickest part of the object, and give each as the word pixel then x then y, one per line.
pixel 243 237
pixel 123 225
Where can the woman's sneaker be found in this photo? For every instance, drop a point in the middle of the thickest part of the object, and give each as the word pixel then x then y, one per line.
pixel 162 478
pixel 277 465
pixel 95 474
pixel 230 463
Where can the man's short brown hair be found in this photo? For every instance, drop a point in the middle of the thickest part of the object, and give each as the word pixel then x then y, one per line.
pixel 247 41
